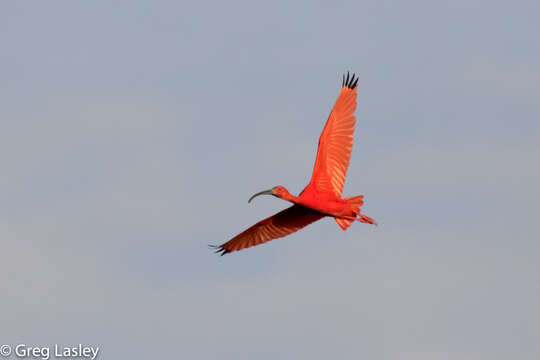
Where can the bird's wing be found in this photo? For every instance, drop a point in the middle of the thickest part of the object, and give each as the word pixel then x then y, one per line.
pixel 336 141
pixel 279 225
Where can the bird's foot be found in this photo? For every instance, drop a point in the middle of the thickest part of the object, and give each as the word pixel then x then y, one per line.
pixel 366 219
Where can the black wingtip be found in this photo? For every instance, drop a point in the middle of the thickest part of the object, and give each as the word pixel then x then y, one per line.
pixel 219 249
pixel 350 81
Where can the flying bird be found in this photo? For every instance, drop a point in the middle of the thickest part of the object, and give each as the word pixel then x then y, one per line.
pixel 322 196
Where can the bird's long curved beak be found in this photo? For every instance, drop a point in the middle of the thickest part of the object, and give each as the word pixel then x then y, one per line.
pixel 265 192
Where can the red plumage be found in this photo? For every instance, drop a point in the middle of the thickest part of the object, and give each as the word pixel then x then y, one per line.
pixel 322 196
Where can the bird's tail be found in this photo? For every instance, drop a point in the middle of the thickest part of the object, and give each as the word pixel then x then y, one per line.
pixel 356 202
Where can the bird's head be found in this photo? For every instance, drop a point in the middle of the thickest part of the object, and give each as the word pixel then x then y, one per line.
pixel 278 191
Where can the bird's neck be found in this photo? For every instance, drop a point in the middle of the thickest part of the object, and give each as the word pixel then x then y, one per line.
pixel 291 198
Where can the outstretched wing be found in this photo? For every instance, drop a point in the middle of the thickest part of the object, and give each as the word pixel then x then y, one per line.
pixel 279 225
pixel 336 141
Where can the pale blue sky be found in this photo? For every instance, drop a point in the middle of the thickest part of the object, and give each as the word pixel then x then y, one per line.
pixel 132 134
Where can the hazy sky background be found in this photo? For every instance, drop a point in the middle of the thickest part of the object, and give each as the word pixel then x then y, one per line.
pixel 132 134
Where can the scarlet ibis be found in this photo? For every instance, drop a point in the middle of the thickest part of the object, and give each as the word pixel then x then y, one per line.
pixel 322 196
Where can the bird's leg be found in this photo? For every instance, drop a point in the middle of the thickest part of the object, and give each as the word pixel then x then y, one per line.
pixel 361 217
pixel 365 219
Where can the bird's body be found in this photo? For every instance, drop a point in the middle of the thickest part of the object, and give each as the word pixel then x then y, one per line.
pixel 324 202
pixel 322 196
